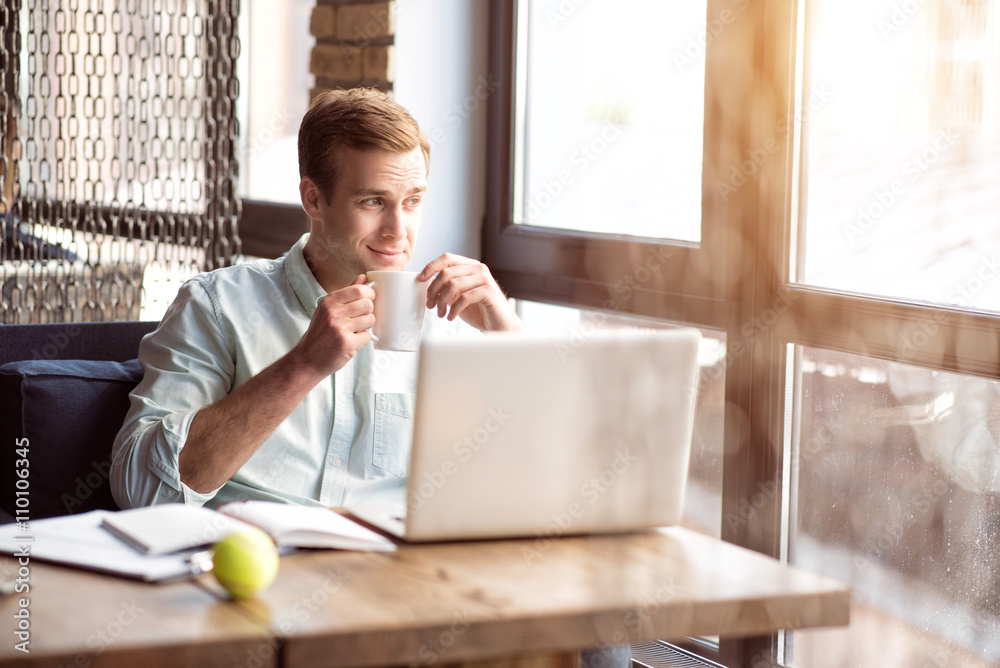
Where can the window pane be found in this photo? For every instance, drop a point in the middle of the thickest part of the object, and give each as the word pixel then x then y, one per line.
pixel 899 496
pixel 613 115
pixel 703 495
pixel 274 91
pixel 902 149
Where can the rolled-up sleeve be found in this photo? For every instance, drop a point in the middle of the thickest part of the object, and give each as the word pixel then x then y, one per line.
pixel 188 363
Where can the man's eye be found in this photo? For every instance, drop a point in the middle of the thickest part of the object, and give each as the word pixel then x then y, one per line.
pixel 414 201
pixel 373 201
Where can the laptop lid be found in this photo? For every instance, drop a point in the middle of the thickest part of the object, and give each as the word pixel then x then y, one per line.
pixel 522 435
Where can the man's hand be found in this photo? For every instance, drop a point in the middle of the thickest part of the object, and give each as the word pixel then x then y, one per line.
pixel 224 435
pixel 339 328
pixel 465 288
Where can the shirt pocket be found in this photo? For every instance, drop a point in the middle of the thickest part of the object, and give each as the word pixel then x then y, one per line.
pixel 393 432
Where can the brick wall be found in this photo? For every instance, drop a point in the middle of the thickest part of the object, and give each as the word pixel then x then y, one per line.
pixel 354 44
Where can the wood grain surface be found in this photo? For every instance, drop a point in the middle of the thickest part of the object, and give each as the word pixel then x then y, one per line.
pixel 530 603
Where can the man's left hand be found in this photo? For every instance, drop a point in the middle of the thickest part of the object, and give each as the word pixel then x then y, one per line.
pixel 465 288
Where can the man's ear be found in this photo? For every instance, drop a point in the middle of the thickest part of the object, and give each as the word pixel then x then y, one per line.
pixel 310 196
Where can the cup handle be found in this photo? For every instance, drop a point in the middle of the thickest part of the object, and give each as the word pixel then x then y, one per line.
pixel 371 330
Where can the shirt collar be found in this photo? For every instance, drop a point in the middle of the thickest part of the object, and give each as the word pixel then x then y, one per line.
pixel 305 285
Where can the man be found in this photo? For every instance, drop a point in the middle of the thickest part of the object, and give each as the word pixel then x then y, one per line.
pixel 260 381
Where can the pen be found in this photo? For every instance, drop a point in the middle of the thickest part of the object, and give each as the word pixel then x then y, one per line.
pixel 200 562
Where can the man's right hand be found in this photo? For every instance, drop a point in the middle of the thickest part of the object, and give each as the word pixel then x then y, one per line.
pixel 224 435
pixel 338 330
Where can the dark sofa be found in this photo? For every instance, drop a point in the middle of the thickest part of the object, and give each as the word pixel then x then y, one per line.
pixel 64 388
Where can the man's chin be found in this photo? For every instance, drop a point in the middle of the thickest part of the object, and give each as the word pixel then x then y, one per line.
pixel 378 263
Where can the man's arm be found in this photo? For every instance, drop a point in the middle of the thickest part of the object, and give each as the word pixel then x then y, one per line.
pixel 465 288
pixel 224 435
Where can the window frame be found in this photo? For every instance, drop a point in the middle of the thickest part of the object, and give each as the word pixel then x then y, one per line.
pixel 747 241
pixel 534 262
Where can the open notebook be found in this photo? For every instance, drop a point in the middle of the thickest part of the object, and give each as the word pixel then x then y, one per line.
pixel 167 541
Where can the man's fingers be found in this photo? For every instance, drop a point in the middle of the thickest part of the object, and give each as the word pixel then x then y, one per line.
pixel 442 262
pixel 449 277
pixel 350 294
pixel 465 300
pixel 455 289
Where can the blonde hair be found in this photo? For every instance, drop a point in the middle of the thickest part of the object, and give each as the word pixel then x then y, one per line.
pixel 358 118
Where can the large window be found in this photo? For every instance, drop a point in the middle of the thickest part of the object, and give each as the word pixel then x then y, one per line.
pixel 901 177
pixel 598 132
pixel 841 238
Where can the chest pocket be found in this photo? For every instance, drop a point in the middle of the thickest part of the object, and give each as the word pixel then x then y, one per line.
pixel 393 432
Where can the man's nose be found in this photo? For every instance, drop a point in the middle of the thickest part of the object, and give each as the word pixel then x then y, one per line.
pixel 394 224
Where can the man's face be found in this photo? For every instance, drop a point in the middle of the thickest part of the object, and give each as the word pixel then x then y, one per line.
pixel 372 218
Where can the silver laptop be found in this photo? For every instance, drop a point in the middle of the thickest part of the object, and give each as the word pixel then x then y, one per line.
pixel 521 435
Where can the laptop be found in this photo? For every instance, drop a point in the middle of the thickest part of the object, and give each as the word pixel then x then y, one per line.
pixel 522 435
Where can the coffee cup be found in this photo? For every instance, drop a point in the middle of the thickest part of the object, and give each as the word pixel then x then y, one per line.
pixel 400 302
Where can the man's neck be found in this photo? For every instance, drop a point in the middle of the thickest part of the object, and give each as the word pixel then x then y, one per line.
pixel 318 261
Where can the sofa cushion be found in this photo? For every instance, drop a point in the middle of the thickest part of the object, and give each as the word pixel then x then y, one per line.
pixel 67 413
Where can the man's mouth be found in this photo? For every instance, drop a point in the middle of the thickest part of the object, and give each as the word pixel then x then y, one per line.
pixel 386 254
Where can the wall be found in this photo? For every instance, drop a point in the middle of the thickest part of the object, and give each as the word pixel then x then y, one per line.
pixel 441 77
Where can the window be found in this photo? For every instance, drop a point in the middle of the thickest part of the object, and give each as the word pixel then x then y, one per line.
pixel 599 128
pixel 275 86
pixel 900 189
pixel 117 141
pixel 845 254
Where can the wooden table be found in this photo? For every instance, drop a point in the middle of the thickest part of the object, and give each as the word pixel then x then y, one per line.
pixel 538 601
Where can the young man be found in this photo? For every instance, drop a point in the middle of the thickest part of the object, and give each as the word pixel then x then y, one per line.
pixel 259 382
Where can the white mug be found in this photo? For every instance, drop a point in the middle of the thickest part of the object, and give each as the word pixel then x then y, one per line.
pixel 400 302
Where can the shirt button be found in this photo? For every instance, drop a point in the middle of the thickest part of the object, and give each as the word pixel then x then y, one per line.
pixel 337 462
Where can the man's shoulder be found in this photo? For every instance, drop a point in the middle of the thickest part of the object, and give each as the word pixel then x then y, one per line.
pixel 241 276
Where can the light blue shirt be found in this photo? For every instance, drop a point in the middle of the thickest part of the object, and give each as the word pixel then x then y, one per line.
pixel 351 431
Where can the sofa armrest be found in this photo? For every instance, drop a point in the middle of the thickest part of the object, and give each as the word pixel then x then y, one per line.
pixel 66 413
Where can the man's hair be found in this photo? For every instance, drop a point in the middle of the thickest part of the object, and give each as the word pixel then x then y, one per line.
pixel 359 118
